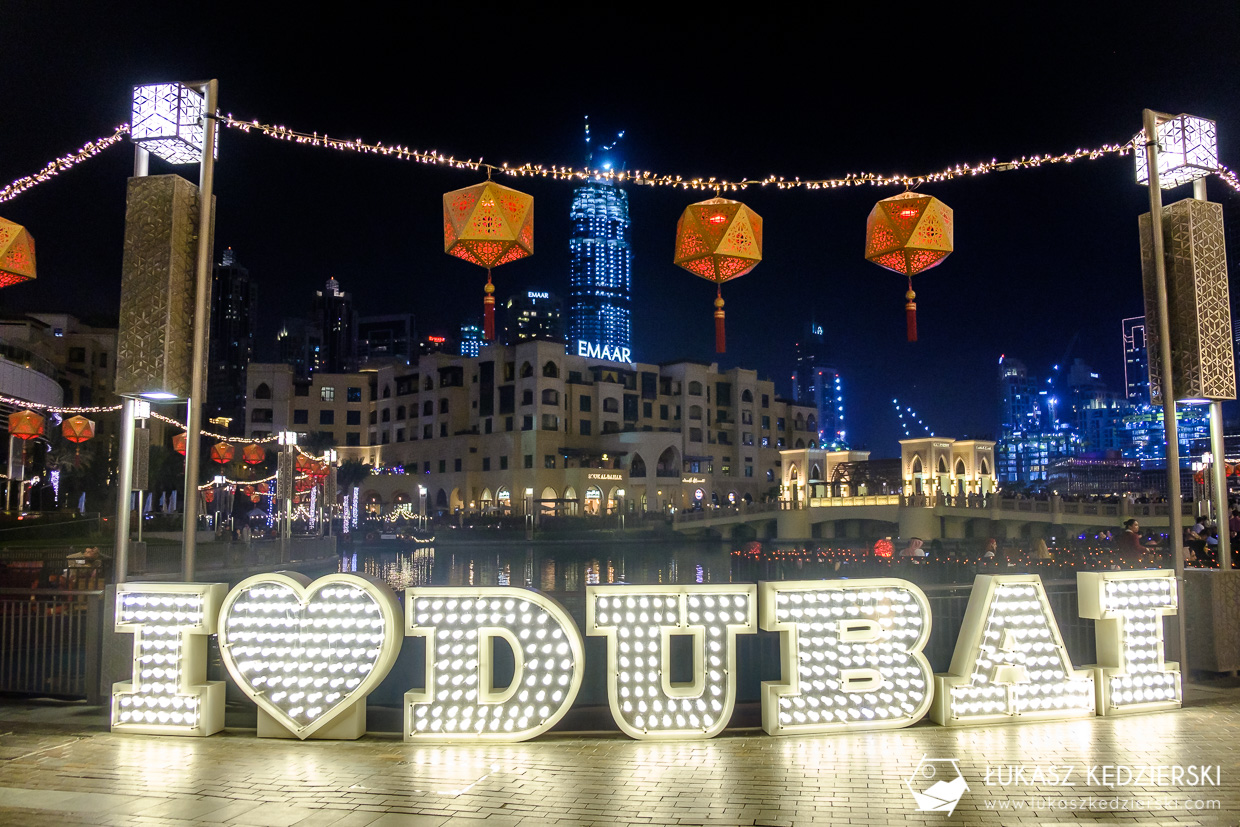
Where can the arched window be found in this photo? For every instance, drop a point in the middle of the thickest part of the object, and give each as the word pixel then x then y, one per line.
pixel 811 424
pixel 985 467
pixel 960 472
pixel 815 472
pixel 400 412
pixel 637 468
pixel 527 397
pixel 387 414
pixel 916 467
pixel 695 411
pixel 526 370
pixel 428 408
pixel 800 443
pixel 669 463
pixel 942 466
pixel 387 391
pixel 443 405
pixel 695 388
pixel 551 396
pixel 746 395
pixel 611 406
pixel 550 369
pixel 429 384
pixel 799 423
pixel 263 391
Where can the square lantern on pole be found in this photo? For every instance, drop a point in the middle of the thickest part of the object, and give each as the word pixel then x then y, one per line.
pixel 1202 360
pixel 168 122
pixel 1187 150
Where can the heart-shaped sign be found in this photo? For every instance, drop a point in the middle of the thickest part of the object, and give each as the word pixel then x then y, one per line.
pixel 305 652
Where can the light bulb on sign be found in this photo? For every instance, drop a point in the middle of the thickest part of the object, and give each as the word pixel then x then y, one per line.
pixel 170 623
pixel 1129 607
pixel 1010 660
pixel 698 708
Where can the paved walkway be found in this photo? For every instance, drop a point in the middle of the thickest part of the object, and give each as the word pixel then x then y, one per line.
pixel 59 765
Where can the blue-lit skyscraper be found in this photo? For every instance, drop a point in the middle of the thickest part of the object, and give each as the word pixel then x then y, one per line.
pixel 600 259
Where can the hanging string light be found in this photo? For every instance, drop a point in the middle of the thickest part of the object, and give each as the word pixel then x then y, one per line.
pixel 63 163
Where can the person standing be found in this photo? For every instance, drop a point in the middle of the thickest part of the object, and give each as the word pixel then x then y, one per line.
pixel 1129 541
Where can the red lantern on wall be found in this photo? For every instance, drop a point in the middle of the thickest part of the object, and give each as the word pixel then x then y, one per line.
pixel 719 240
pixel 26 425
pixel 488 225
pixel 222 453
pixel 908 234
pixel 253 453
pixel 178 443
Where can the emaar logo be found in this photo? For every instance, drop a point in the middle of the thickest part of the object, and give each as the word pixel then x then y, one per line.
pixel 937 785
pixel 593 350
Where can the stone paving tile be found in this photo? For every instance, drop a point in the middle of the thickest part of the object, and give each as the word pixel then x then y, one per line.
pixel 77 772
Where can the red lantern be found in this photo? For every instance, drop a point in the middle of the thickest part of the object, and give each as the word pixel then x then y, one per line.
pixel 77 429
pixel 26 425
pixel 256 498
pixel 488 225
pixel 261 488
pixel 303 484
pixel 208 495
pixel 909 233
pixel 253 453
pixel 719 240
pixel 16 254
pixel 883 548
pixel 178 443
pixel 222 453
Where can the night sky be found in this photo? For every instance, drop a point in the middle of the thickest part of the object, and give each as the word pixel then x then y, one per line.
pixel 1046 261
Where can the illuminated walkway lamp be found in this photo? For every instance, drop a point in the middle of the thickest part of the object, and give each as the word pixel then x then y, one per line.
pixel 166 279
pixel 488 225
pixel 1183 148
pixel 719 240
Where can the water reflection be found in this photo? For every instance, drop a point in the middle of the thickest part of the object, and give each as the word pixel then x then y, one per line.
pixel 568 567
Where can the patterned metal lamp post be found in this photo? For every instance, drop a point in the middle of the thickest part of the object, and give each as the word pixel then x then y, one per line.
pixel 488 225
pixel 161 347
pixel 908 234
pixel 1191 152
pixel 16 254
pixel 719 240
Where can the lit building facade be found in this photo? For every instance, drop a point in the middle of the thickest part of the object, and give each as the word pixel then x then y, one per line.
pixel 600 267
pixel 390 337
pixel 815 383
pixel 528 428
pixel 1136 361
pixel 533 314
pixel 471 338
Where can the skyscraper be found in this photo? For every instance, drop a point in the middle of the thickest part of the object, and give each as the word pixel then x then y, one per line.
pixel 815 382
pixel 533 314
pixel 333 310
pixel 230 343
pixel 600 258
pixel 1136 361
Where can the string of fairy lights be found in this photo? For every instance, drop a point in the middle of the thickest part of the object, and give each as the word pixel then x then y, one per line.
pixel 635 177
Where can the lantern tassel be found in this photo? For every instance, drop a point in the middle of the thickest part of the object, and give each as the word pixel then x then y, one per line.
pixel 910 312
pixel 721 342
pixel 488 310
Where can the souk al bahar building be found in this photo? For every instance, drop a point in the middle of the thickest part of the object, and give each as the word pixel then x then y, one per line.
pixel 528 428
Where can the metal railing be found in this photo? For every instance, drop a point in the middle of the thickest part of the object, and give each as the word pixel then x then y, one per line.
pixel 50 642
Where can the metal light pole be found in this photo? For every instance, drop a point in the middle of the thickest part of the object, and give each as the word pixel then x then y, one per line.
pixel 1170 431
pixel 202 311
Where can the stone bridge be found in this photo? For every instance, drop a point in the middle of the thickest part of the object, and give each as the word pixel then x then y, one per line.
pixel 927 517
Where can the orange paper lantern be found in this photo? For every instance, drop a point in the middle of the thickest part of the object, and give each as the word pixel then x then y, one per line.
pixel 908 234
pixel 26 425
pixel 222 453
pixel 178 443
pixel 253 453
pixel 488 225
pixel 77 429
pixel 208 495
pixel 16 254
pixel 303 464
pixel 719 240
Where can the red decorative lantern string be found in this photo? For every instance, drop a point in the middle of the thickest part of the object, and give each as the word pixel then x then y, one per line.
pixel 253 454
pixel 719 240
pixel 488 225
pixel 909 233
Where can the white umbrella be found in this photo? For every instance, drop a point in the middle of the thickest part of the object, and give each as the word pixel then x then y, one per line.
pixel 82 503
pixel 163 501
pixel 150 501
pixel 172 502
